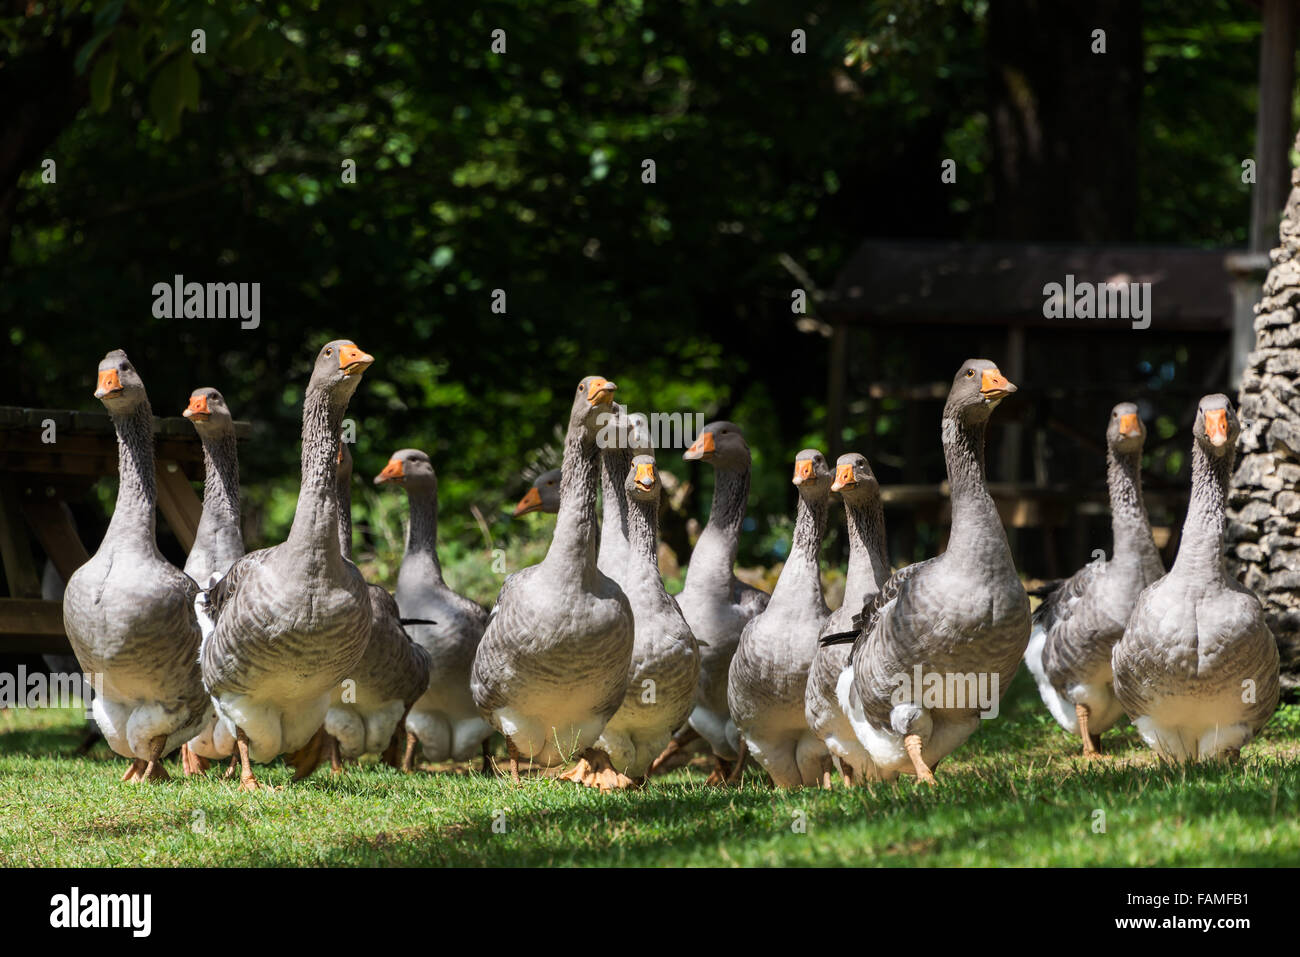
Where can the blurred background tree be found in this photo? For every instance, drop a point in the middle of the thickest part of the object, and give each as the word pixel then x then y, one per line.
pixel 522 171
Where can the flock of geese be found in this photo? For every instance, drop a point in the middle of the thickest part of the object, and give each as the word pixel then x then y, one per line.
pixel 585 658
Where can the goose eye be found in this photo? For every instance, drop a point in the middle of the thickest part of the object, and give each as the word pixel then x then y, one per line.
pixel 329 352
pixel 970 373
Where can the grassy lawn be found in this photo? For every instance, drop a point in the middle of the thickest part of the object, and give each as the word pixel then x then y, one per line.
pixel 1015 795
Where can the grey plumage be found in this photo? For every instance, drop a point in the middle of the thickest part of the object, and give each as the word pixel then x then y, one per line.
pixel 716 604
pixel 1078 623
pixel 218 542
pixel 128 612
pixel 1197 667
pixel 551 669
pixel 868 570
pixel 768 679
pixel 961 614
pixel 292 620
pixel 444 718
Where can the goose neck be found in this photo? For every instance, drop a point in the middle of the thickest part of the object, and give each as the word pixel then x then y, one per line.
pixel 713 559
pixel 137 492
pixel 976 535
pixel 1129 523
pixel 613 549
pixel 868 557
pixel 1200 553
pixel 421 558
pixel 314 536
pixel 573 553
pixel 800 578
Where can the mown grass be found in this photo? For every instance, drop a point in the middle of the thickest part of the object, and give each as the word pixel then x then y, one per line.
pixel 1015 795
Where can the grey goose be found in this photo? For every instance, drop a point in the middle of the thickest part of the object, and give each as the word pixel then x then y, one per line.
pixel 1197 667
pixel 715 603
pixel 367 710
pixel 960 619
pixel 1079 621
pixel 218 542
pixel 665 662
pixel 293 620
pixel 128 612
pixel 444 720
pixel 551 669
pixel 768 679
pixel 868 570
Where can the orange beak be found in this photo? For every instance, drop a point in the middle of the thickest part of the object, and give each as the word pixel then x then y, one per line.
pixel 1216 426
pixel 1129 426
pixel 994 385
pixel 531 502
pixel 197 409
pixel 600 391
pixel 109 383
pixel 353 361
pixel 803 471
pixel 701 448
pixel 393 472
pixel 645 476
pixel 843 477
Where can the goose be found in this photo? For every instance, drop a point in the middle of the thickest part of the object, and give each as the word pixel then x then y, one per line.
pixel 367 709
pixel 946 630
pixel 1078 623
pixel 665 665
pixel 293 620
pixel 868 570
pixel 128 612
pixel 552 667
pixel 542 496
pixel 715 603
pixel 1197 667
pixel 444 719
pixel 218 542
pixel 769 672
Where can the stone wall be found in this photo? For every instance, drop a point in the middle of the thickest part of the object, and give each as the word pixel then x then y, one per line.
pixel 1264 504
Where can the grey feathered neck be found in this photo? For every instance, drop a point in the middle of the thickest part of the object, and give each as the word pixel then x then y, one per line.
pixel 314 534
pixel 612 551
pixel 133 519
pixel 713 559
pixel 868 556
pixel 1130 526
pixel 643 533
pixel 421 534
pixel 573 548
pixel 976 534
pixel 1200 551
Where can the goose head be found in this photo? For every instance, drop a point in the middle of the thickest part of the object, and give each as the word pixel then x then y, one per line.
pixel 410 468
pixel 338 368
pixel 812 475
pixel 854 478
pixel 642 482
pixel 1125 433
pixel 1217 426
pixel 209 413
pixel 976 391
pixel 119 386
pixel 722 444
pixel 592 406
pixel 544 496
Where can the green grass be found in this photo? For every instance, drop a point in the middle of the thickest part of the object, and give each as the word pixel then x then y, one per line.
pixel 1014 795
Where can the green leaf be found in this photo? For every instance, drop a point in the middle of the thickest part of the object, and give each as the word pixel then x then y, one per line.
pixel 88 51
pixel 188 77
pixel 101 81
pixel 128 43
pixel 165 98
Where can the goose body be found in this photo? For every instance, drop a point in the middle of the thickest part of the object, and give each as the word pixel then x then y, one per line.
pixel 1077 624
pixel 767 682
pixel 128 612
pixel 716 605
pixel 293 620
pixel 665 664
pixel 444 719
pixel 218 542
pixel 393 672
pixel 868 570
pixel 959 622
pixel 1197 667
pixel 551 668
